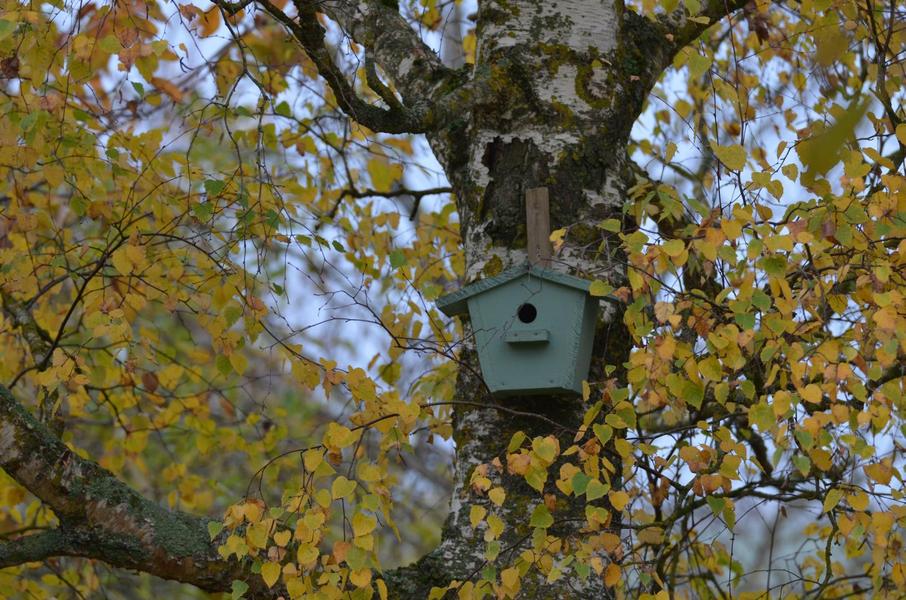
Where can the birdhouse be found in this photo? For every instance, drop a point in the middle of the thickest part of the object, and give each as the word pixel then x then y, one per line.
pixel 533 329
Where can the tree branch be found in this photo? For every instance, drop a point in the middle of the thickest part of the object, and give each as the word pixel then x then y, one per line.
pixel 684 29
pixel 34 548
pixel 101 517
pixel 414 68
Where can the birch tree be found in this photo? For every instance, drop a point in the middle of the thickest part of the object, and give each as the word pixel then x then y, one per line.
pixel 180 182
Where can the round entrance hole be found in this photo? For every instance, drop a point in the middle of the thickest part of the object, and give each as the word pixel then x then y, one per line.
pixel 527 312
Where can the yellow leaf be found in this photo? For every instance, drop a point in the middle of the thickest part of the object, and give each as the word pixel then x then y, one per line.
pixel 383 174
pixel 342 488
pixel 363 524
pixel 557 235
pixel 733 157
pixel 312 458
pixel 781 403
pixel 651 535
pixel 901 133
pixel 167 87
pixel 282 538
pixel 338 437
pixel 673 248
pixel 307 554
pixel 879 472
pixel 270 573
pixel 476 515
pixel 610 541
pixel 210 22
pixel 599 288
pixel 360 578
pixel 121 262
pixel 618 500
pixel 510 577
pixel 671 151
pixel 859 500
pixel 256 535
pixel 497 495
pixel 611 575
pixel 832 499
pixel 811 393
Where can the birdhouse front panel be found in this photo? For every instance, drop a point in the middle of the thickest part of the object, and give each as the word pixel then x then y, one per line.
pixel 533 330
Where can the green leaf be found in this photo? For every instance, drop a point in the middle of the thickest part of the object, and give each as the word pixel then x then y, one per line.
pixel 213 187
pixel 802 463
pixel 602 432
pixel 762 416
pixel 110 44
pixel 397 259
pixel 202 211
pixel 283 110
pixel 580 483
pixel 693 393
pixel 238 589
pixel 716 504
pixel 599 288
pixel 214 528
pixel 823 150
pixel 541 517
pixel 6 29
pixel 613 225
pixel 595 489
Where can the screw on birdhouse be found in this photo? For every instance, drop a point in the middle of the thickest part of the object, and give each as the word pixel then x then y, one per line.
pixel 538 226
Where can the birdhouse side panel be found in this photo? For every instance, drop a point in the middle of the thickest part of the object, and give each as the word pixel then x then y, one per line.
pixel 584 336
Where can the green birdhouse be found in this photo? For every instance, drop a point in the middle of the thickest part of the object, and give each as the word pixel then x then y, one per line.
pixel 533 329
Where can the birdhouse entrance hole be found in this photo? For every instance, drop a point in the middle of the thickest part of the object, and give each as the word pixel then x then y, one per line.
pixel 527 312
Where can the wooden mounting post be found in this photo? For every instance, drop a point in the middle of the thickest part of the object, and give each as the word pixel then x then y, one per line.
pixel 538 226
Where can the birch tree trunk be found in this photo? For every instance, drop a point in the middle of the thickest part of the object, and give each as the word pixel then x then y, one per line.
pixel 568 84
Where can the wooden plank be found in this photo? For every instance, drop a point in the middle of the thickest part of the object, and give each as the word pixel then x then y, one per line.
pixel 538 226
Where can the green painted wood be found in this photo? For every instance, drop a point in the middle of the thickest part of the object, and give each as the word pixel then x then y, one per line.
pixel 528 337
pixel 546 350
pixel 455 303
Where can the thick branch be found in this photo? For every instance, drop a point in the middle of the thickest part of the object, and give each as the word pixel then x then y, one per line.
pixel 101 517
pixel 685 30
pixel 34 548
pixel 310 34
pixel 414 68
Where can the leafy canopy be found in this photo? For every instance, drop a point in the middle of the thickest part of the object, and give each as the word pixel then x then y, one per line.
pixel 220 288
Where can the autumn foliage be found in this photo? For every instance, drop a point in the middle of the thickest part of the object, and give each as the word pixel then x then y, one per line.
pixel 218 284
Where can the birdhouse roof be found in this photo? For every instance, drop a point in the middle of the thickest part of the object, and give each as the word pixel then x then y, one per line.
pixel 456 303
